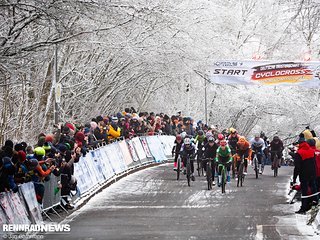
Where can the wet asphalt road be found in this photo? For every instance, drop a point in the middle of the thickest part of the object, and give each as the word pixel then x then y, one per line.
pixel 152 204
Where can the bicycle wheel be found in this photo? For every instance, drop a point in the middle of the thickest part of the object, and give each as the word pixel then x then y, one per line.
pixel 188 171
pixel 199 166
pixel 275 167
pixel 223 181
pixel 178 167
pixel 241 175
pixel 256 166
pixel 209 176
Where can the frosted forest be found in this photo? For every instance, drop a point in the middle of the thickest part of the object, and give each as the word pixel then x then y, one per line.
pixel 116 54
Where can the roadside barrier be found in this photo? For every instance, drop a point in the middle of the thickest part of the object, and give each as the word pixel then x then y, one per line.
pixel 92 172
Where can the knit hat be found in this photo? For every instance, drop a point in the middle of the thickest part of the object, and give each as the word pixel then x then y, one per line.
pixel 86 130
pixel 18 147
pixel 41 141
pixel 311 142
pixel 22 156
pixel 49 138
pixel 119 115
pixel 79 136
pixel 62 148
pixel 99 119
pixel 65 130
pixel 9 144
pixel 301 138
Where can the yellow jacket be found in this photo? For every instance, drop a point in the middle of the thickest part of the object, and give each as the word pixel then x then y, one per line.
pixel 112 133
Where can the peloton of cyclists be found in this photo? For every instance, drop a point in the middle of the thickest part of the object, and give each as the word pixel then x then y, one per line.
pixel 222 150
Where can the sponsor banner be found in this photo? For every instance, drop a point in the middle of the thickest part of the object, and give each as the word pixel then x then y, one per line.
pixel 295 73
pixel 139 149
pixel 29 195
pixel 3 218
pixel 156 148
pixel 122 162
pixel 116 161
pixel 145 147
pixel 5 205
pixel 82 174
pixel 134 155
pixel 19 209
pixel 166 143
pixel 89 162
pixel 97 163
pixel 109 171
pixel 125 152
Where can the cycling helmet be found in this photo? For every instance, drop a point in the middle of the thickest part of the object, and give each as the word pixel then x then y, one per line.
pixel 276 138
pixel 232 130
pixel 257 135
pixel 178 138
pixel 242 139
pixel 223 143
pixel 220 136
pixel 39 151
pixel 187 141
pixel 200 132
pixel 208 135
pixel 211 140
pixel 183 135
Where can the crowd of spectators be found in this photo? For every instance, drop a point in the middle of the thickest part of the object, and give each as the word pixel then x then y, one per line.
pixel 57 153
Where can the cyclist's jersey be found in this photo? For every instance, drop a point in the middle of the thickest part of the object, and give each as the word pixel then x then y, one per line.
pixel 224 155
pixel 187 151
pixel 258 146
pixel 276 147
pixel 200 141
pixel 232 141
pixel 210 151
pixel 243 146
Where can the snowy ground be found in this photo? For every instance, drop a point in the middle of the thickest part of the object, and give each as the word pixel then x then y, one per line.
pixel 151 204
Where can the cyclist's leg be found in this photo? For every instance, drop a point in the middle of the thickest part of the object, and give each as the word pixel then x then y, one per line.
pixel 238 165
pixel 184 161
pixel 228 171
pixel 175 161
pixel 192 169
pixel 246 156
pixel 219 174
pixel 279 154
pixel 213 169
pixel 259 156
pixel 192 165
pixel 204 164
pixel 272 157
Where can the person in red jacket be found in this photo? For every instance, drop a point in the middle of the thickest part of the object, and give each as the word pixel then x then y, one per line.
pixel 305 168
pixel 312 144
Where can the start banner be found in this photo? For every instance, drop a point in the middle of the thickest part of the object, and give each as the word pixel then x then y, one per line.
pixel 306 74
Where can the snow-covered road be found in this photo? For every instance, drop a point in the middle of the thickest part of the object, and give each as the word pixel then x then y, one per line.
pixel 151 204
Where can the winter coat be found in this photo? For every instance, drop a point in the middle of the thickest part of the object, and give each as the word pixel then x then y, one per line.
pixel 305 165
